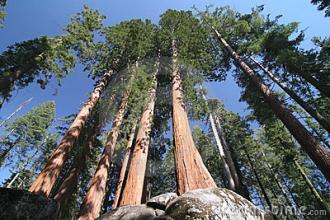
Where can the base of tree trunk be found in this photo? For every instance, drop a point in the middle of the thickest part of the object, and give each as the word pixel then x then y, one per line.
pixel 21 204
pixel 210 203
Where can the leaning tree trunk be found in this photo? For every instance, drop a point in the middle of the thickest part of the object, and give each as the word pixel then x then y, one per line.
pixel 91 206
pixel 313 112
pixel 240 188
pixel 229 173
pixel 123 168
pixel 5 153
pixel 262 188
pixel 71 181
pixel 15 112
pixel 284 190
pixel 190 169
pixel 311 186
pixel 223 157
pixel 133 189
pixel 313 148
pixel 314 82
pixel 46 179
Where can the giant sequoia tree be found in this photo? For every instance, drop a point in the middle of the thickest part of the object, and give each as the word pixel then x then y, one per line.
pixel 119 149
pixel 186 41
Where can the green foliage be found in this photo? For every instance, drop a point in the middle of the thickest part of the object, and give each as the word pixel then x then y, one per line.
pixel 43 58
pixel 29 131
pixel 83 36
pixel 130 41
pixel 2 11
pixel 205 144
pixel 322 5
pixel 40 58
pixel 191 39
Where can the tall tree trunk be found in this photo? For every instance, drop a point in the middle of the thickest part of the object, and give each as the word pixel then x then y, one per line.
pixel 313 148
pixel 10 184
pixel 5 153
pixel 46 179
pixel 91 206
pixel 16 110
pixel 124 165
pixel 311 186
pixel 133 189
pixel 190 169
pixel 313 112
pixel 229 173
pixel 240 188
pixel 284 189
pixel 262 188
pixel 71 181
pixel 223 157
pixel 292 198
pixel 319 86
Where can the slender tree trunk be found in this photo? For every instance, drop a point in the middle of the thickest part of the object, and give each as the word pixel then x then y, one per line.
pixel 5 153
pixel 223 157
pixel 313 148
pixel 262 188
pixel 71 181
pixel 10 184
pixel 16 110
pixel 284 190
pixel 92 203
pixel 313 112
pixel 133 189
pixel 46 179
pixel 124 166
pixel 243 190
pixel 292 198
pixel 311 186
pixel 319 86
pixel 240 188
pixel 190 169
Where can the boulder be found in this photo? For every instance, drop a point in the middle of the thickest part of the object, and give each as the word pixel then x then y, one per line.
pixel 212 204
pixel 161 201
pixel 21 204
pixel 130 212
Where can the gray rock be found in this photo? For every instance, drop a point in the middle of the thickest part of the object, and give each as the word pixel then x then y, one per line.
pixel 163 217
pixel 21 204
pixel 130 212
pixel 161 201
pixel 159 212
pixel 213 204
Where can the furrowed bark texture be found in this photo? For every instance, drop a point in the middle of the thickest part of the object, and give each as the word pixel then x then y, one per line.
pixel 133 189
pixel 308 142
pixel 71 181
pixel 308 108
pixel 124 166
pixel 190 169
pixel 91 206
pixel 46 179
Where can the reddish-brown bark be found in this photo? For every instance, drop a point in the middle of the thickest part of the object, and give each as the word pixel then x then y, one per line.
pixel 133 189
pixel 70 183
pixel 308 142
pixel 91 206
pixel 190 169
pixel 124 167
pixel 46 179
pixel 325 123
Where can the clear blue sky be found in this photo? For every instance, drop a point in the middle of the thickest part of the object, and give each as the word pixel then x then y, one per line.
pixel 29 19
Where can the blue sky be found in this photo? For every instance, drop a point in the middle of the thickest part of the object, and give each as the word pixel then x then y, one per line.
pixel 29 19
